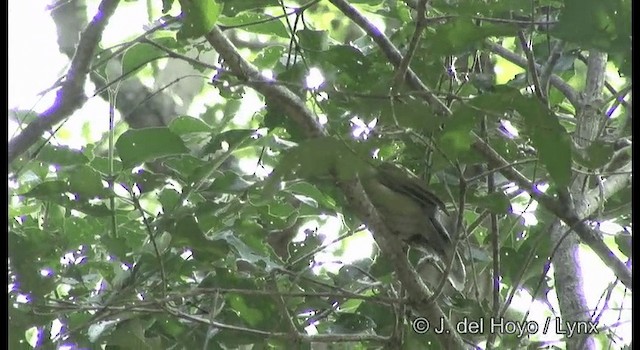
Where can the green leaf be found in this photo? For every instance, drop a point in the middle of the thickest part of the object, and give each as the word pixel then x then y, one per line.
pixel 47 189
pixel 256 23
pixel 82 230
pixel 234 138
pixel 550 139
pixel 251 315
pixel 456 135
pixel 269 56
pixel 61 155
pixel 246 253
pixel 162 242
pixel 309 190
pixel 597 155
pixel 188 168
pixel 138 56
pixel 185 125
pixel 538 247
pixel 461 35
pixel 497 203
pixel 229 182
pixel 143 145
pixel 377 314
pixel 280 209
pixel 97 210
pixel 188 234
pixel 87 182
pixel 18 321
pixel 169 198
pixel 116 245
pixel 313 40
pixel 596 24
pixel 101 164
pixel 411 113
pixel 276 213
pixel 146 181
pixel 23 116
pixel 166 5
pixel 347 58
pixel 56 192
pixel 234 7
pixel 39 169
pixel 316 159
pixel 624 242
pixel 500 100
pixel 23 209
pixel 223 276
pixel 543 127
pixel 623 62
pixel 22 254
pixel 350 323
pixel 200 17
pixel 131 334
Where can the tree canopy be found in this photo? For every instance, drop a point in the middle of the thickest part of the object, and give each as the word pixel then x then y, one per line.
pixel 220 207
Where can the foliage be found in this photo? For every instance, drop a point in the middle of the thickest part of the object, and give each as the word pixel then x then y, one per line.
pixel 170 240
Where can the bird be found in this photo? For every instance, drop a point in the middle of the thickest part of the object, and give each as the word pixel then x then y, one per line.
pixel 414 214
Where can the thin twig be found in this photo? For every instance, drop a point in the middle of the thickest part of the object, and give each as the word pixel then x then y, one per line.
pixel 569 92
pixel 319 338
pixel 401 70
pixel 152 238
pixel 494 233
pixel 320 248
pixel 547 266
pixel 547 70
pixel 286 315
pixel 531 63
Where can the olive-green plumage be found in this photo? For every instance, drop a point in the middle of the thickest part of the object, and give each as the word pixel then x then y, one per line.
pixel 413 213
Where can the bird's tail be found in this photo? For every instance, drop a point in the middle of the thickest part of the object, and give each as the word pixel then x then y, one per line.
pixel 458 273
pixel 457 276
pixel 432 267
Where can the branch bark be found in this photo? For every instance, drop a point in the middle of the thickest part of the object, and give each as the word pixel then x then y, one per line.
pixel 134 98
pixel 569 281
pixel 554 80
pixel 299 113
pixel 70 97
pixel 561 210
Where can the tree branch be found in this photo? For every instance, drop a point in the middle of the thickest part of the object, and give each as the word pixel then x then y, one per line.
pixel 392 53
pixel 531 65
pixel 561 210
pixel 401 71
pixel 569 216
pixel 318 338
pixel 70 97
pixel 296 109
pixel 569 282
pixel 547 71
pixel 133 96
pixel 614 184
pixel 555 80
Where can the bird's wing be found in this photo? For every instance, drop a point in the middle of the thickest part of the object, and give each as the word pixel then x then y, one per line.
pixel 413 189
